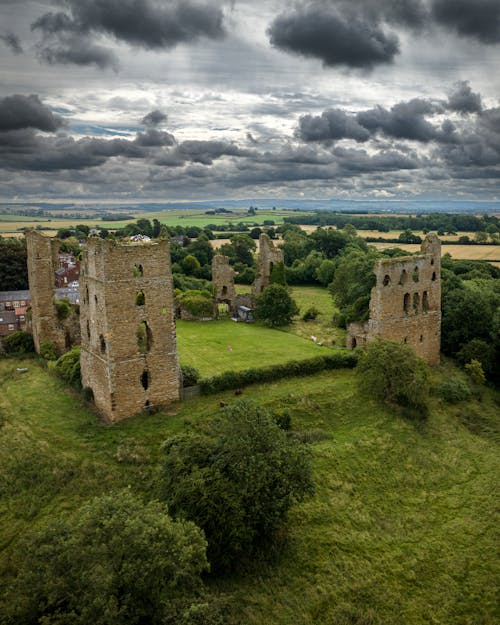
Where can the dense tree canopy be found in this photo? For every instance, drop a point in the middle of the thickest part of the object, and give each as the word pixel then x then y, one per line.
pixel 275 307
pixel 236 479
pixel 13 268
pixel 117 561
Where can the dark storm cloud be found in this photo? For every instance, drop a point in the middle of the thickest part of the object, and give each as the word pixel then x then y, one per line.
pixel 463 100
pixel 331 125
pixel 12 42
pixel 19 111
pixel 321 31
pixel 77 50
pixel 479 19
pixel 154 138
pixel 411 14
pixel 205 152
pixel 154 118
pixel 146 23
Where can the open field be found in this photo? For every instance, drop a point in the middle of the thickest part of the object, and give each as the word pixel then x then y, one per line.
pixel 490 253
pixel 205 345
pixel 402 527
pixel 11 224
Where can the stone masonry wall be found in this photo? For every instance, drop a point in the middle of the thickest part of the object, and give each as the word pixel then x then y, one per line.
pixel 269 255
pixel 223 280
pixel 405 304
pixel 129 348
pixel 42 263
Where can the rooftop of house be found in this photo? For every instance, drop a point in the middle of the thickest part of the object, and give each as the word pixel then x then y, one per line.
pixel 9 296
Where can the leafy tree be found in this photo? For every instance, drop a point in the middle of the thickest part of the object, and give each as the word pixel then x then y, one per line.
pixel 13 267
pixel 201 249
pixel 236 480
pixel 117 561
pixel 408 237
pixel 475 371
pixel 68 367
pixel 325 272
pixel 190 264
pixel 240 249
pixel 329 242
pixel 275 307
pixel 393 373
pixel 278 274
pixel 352 284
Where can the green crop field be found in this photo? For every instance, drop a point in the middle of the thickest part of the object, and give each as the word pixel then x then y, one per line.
pixel 402 528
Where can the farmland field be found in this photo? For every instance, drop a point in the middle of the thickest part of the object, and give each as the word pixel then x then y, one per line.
pixel 490 253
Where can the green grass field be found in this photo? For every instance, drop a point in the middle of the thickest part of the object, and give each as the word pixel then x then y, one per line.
pixel 402 529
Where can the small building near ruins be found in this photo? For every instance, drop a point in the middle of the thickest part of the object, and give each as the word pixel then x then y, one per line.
pixel 405 303
pixel 223 280
pixel 129 348
pixel 269 256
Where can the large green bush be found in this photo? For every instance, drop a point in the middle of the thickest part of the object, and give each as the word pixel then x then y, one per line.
pixel 116 561
pixel 19 342
pixel 236 480
pixel 197 303
pixel 275 307
pixel 393 373
pixel 68 367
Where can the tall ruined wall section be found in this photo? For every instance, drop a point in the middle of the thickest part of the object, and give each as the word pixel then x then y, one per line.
pixel 42 263
pixel 223 280
pixel 129 348
pixel 405 304
pixel 269 255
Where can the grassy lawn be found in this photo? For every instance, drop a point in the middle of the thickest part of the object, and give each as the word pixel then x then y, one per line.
pixel 204 345
pixel 402 527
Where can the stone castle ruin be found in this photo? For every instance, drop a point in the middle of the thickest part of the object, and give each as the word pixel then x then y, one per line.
pixel 269 256
pixel 128 348
pixel 47 324
pixel 223 279
pixel 405 303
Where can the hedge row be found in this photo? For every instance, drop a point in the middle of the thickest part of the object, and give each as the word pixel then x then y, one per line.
pixel 236 379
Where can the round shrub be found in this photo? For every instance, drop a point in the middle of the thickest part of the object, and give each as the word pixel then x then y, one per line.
pixel 19 342
pixel 68 367
pixel 311 313
pixel 190 375
pixel 48 350
pixel 454 390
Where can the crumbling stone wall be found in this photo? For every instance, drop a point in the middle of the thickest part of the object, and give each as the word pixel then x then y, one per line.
pixel 42 263
pixel 269 255
pixel 405 303
pixel 223 279
pixel 129 348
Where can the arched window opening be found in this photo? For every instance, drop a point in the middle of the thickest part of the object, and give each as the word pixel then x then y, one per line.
pixel 88 329
pixel 415 274
pixel 102 343
pixel 86 295
pixel 144 338
pixel 406 303
pixel 416 303
pixel 421 338
pixel 404 277
pixel 433 276
pixel 432 261
pixel 138 271
pixel 224 290
pixel 271 267
pixel 145 380
pixel 354 343
pixel 387 280
pixel 425 302
pixel 405 340
pixel 95 298
pixel 140 298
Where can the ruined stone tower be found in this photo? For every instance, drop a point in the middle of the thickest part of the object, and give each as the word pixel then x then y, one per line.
pixel 223 280
pixel 405 303
pixel 42 263
pixel 269 255
pixel 129 349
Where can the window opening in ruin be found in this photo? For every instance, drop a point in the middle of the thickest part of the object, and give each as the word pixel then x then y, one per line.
pixel 138 271
pixel 433 276
pixel 432 261
pixel 415 274
pixel 404 277
pixel 416 302
pixel 224 290
pixel 387 280
pixel 406 303
pixel 271 267
pixel 405 340
pixel 88 329
pixel 425 302
pixel 144 338
pixel 102 343
pixel 95 298
pixel 145 380
pixel 147 405
pixel 421 338
pixel 67 339
pixel 140 298
pixel 354 343
pixel 87 295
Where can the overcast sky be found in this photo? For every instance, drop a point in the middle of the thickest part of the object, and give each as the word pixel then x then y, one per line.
pixel 161 99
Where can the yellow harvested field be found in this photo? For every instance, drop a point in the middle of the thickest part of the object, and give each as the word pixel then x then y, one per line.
pixel 490 253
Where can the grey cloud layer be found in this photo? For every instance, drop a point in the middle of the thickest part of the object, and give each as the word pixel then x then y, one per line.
pixel 68 36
